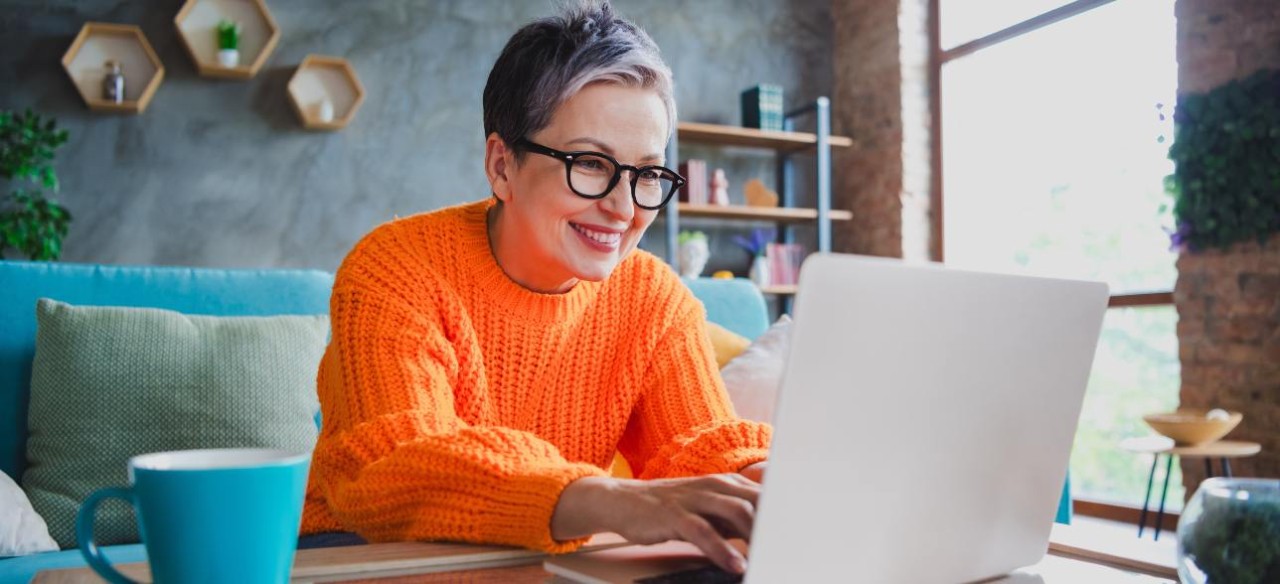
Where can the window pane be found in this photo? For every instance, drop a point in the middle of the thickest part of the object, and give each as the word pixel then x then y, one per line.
pixel 1051 151
pixel 1135 372
pixel 966 20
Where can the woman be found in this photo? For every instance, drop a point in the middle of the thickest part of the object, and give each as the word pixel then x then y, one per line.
pixel 487 360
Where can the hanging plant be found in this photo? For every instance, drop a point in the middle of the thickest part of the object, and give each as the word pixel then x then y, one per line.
pixel 1226 151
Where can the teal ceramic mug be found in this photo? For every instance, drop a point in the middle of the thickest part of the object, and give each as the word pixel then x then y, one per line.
pixel 223 515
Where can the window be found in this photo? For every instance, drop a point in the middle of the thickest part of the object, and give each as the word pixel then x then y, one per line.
pixel 1053 163
pixel 966 20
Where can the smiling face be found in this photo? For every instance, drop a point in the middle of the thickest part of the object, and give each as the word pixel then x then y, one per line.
pixel 544 236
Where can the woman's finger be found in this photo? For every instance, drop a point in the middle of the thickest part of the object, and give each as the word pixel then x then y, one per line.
pixel 699 532
pixel 732 485
pixel 734 513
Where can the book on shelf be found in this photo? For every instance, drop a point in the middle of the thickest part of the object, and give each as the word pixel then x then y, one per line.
pixel 694 190
pixel 784 263
pixel 762 107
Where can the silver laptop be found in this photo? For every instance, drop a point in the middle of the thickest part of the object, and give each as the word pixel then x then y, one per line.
pixel 923 428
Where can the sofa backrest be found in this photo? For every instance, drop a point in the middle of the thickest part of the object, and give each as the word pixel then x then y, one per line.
pixel 190 290
pixel 735 304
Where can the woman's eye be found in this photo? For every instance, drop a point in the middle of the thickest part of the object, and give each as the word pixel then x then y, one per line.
pixel 589 164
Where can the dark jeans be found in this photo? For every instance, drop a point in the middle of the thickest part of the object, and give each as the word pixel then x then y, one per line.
pixel 329 539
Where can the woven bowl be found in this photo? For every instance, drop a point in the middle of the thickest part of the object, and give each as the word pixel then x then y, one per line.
pixel 1191 427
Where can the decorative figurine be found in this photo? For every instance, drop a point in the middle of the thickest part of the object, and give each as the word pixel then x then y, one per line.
pixel 113 83
pixel 719 188
pixel 759 195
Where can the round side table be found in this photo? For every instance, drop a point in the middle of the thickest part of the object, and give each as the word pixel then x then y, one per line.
pixel 1223 450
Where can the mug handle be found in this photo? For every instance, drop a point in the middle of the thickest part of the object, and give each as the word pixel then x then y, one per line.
pixel 84 533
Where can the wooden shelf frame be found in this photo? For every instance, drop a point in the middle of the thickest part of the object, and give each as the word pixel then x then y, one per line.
pixel 780 290
pixel 776 214
pixel 197 24
pixel 98 42
pixel 752 138
pixel 320 77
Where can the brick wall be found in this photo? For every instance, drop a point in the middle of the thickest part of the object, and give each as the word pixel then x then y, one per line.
pixel 1222 40
pixel 1229 300
pixel 879 56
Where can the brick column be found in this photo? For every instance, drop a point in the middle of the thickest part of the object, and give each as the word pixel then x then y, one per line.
pixel 1228 301
pixel 880 57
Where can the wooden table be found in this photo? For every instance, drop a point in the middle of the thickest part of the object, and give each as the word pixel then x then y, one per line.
pixel 1223 450
pixel 1070 561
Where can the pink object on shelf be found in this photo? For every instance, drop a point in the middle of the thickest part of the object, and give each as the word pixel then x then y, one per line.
pixel 719 188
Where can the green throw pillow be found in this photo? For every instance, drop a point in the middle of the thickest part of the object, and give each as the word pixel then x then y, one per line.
pixel 109 383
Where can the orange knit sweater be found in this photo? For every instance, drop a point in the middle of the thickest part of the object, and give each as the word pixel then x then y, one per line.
pixel 458 405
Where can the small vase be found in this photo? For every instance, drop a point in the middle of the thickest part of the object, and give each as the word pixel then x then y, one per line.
pixel 693 257
pixel 324 111
pixel 760 272
pixel 1227 532
pixel 229 57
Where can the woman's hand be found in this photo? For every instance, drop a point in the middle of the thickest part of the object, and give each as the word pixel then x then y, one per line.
pixel 755 471
pixel 705 511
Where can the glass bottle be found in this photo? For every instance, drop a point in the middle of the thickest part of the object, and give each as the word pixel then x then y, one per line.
pixel 113 83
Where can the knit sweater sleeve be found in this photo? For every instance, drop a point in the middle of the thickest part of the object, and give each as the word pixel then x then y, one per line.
pixel 396 461
pixel 684 423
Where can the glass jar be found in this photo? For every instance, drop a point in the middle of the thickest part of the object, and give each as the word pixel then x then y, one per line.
pixel 113 83
pixel 1230 532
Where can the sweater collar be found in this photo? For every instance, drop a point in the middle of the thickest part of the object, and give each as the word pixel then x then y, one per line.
pixel 476 254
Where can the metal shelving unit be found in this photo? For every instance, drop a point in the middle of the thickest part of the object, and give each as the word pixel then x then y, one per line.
pixel 786 144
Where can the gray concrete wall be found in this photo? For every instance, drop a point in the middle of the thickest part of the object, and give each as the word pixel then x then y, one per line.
pixel 219 173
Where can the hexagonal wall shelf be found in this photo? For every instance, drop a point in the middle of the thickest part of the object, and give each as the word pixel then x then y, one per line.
pixel 197 25
pixel 325 92
pixel 99 43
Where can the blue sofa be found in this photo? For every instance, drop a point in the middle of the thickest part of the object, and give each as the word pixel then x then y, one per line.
pixel 734 304
pixel 189 290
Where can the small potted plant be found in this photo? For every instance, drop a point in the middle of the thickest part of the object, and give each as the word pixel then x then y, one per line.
pixel 228 43
pixel 693 253
pixel 756 246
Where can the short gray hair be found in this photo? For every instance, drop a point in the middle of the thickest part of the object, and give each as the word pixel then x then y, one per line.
pixel 550 59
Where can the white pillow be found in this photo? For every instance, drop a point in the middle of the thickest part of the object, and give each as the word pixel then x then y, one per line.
pixel 22 530
pixel 753 377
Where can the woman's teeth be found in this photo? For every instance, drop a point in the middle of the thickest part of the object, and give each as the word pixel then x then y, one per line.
pixel 597 236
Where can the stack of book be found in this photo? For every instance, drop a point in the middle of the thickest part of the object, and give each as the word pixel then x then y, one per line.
pixel 695 188
pixel 784 263
pixel 762 107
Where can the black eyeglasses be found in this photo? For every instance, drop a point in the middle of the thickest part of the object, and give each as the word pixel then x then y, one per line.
pixel 593 175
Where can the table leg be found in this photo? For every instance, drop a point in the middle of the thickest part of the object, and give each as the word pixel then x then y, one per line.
pixel 1208 467
pixel 1146 501
pixel 1168 470
pixel 1226 467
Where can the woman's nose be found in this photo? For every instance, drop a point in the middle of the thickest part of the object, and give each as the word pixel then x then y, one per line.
pixel 620 202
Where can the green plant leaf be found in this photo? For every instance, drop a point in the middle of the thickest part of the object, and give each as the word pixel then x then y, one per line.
pixel 1226 152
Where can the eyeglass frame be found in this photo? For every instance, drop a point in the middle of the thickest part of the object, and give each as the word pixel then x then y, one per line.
pixel 569 157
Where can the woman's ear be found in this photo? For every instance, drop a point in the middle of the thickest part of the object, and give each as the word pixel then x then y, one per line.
pixel 499 165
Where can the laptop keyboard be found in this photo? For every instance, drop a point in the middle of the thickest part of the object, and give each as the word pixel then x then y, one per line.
pixel 704 575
